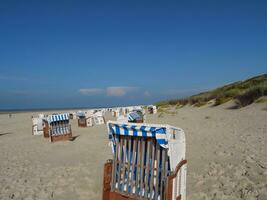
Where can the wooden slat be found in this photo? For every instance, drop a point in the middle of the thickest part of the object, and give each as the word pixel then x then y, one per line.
pixel 166 174
pixel 124 162
pixel 152 169
pixel 133 163
pixel 163 160
pixel 175 186
pixel 149 160
pixel 129 163
pixel 147 168
pixel 115 164
pixel 120 162
pixel 180 182
pixel 106 179
pixel 157 171
pixel 137 183
pixel 169 191
pixel 161 172
pixel 142 166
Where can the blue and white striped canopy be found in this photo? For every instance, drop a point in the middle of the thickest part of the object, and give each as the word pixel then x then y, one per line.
pixel 58 117
pixel 133 116
pixel 138 130
pixel 80 114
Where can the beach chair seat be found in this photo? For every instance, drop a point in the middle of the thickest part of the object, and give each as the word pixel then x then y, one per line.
pixel 148 162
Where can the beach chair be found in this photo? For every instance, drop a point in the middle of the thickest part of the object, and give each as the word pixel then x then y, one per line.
pixel 60 129
pixel 46 128
pixel 98 118
pixel 37 127
pixel 82 121
pixel 135 117
pixel 148 162
pixel 71 115
pixel 152 109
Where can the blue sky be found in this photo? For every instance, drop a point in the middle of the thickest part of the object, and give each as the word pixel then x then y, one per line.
pixel 105 53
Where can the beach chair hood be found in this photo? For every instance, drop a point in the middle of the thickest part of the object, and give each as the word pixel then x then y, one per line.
pixel 58 117
pixel 132 116
pixel 138 130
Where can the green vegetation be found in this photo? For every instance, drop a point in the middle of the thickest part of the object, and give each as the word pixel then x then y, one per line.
pixel 164 110
pixel 261 100
pixel 242 92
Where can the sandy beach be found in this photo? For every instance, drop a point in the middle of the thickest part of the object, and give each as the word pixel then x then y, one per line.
pixel 226 153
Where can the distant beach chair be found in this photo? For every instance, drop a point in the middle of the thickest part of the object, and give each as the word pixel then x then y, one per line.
pixel 135 117
pixel 115 113
pixel 91 119
pixel 131 117
pixel 37 126
pixel 148 162
pixel 59 127
pixel 152 109
pixel 82 121
pixel 98 118
pixel 71 115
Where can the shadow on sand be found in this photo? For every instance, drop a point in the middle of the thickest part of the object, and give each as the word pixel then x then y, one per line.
pixel 74 137
pixel 2 134
pixel 233 107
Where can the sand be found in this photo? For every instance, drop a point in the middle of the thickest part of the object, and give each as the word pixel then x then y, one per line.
pixel 226 152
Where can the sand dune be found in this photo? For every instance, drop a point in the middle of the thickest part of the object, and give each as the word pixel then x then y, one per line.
pixel 226 152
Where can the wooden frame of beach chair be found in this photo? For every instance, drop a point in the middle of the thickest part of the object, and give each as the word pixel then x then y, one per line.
pixel 46 129
pixel 64 137
pixel 143 167
pixel 82 122
pixel 139 121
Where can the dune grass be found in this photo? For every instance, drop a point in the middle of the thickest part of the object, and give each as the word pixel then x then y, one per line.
pixel 165 111
pixel 261 100
pixel 242 92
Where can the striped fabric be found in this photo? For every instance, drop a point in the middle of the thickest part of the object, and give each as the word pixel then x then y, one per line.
pixel 138 130
pixel 80 114
pixel 133 116
pixel 60 130
pixel 59 117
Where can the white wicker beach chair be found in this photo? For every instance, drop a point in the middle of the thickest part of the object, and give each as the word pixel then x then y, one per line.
pixel 59 126
pixel 148 162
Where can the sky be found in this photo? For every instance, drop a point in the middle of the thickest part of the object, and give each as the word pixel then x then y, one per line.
pixel 110 53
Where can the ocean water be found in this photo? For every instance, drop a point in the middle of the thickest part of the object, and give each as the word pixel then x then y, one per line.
pixel 12 111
